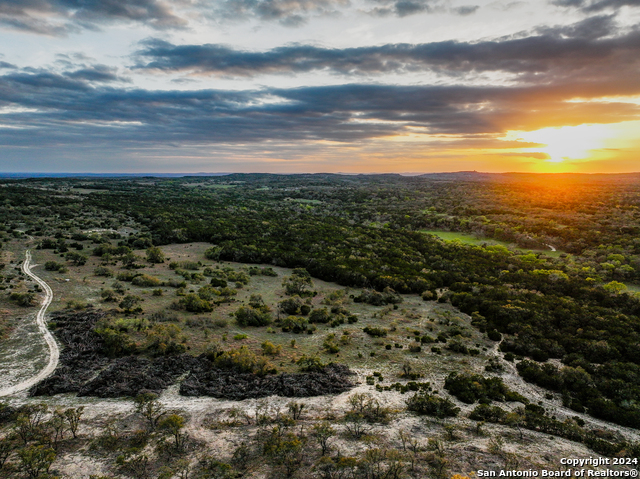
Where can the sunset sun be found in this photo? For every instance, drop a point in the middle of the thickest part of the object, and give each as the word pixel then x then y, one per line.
pixel 569 142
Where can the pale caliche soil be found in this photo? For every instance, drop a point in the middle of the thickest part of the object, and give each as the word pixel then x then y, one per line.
pixel 15 361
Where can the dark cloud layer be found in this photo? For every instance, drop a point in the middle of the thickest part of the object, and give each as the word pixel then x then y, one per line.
pixel 583 48
pixel 61 17
pixel 404 8
pixel 70 110
pixel 291 13
pixel 590 6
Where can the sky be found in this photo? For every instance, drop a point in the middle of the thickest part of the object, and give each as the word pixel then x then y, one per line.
pixel 292 86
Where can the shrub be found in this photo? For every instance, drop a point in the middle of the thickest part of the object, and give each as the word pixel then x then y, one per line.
pixel 108 295
pixel 337 321
pixel 270 349
pixel 244 361
pixel 36 461
pixel 52 266
pixel 330 346
pixel 375 332
pixel 236 276
pixel 429 295
pixel 126 275
pixel 116 343
pixel 165 340
pixel 130 304
pixel 190 265
pixel 388 296
pixel 155 255
pixel 218 282
pixel 250 316
pixel 102 271
pixel 266 271
pixel 485 412
pixel 23 299
pixel 290 306
pixel 457 347
pixel 77 259
pixel 369 408
pixel 146 280
pixel 320 316
pixel 208 293
pixel 430 405
pixel 494 335
pixel 294 324
pixel 310 364
pixel 195 304
pixel 297 283
pixel 470 388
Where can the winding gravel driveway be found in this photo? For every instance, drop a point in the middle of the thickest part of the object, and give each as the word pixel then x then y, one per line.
pixel 54 351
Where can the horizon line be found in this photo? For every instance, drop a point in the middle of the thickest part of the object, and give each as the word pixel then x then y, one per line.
pixel 44 174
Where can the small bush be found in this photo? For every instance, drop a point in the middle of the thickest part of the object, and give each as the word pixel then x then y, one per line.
pixel 103 271
pixel 321 316
pixel 494 335
pixel 52 266
pixel 195 304
pixel 23 299
pixel 470 388
pixel 290 306
pixel 244 361
pixel 270 349
pixel 375 332
pixel 146 280
pixel 165 339
pixel 310 364
pixel 250 316
pixel 431 405
pixel 485 412
pixel 294 324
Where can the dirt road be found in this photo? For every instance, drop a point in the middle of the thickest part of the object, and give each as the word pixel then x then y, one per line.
pixel 54 351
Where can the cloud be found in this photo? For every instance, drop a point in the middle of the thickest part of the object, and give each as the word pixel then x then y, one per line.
pixel 590 6
pixel 590 28
pixel 97 73
pixel 587 48
pixel 54 109
pixel 466 10
pixel 557 71
pixel 291 13
pixel 61 17
pixel 404 8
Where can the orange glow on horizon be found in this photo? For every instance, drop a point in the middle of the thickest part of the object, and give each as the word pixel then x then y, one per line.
pixel 571 148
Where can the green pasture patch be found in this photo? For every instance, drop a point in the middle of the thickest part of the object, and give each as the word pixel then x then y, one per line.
pixel 304 200
pixel 470 239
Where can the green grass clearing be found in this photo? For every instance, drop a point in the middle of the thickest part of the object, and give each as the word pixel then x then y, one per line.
pixel 471 239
